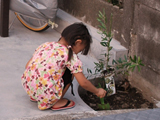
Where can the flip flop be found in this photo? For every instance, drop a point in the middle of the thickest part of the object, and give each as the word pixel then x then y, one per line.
pixel 66 106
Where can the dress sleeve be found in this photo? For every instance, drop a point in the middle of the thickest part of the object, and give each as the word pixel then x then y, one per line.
pixel 75 65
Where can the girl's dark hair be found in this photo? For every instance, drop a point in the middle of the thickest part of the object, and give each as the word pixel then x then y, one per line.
pixel 74 32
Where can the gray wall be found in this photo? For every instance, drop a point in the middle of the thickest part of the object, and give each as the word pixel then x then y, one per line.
pixel 136 26
pixel 146 43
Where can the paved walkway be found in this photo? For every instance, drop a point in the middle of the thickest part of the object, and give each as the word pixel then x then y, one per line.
pixel 152 114
pixel 15 51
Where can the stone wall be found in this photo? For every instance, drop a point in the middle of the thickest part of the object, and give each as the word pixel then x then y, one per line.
pixel 136 27
pixel 146 43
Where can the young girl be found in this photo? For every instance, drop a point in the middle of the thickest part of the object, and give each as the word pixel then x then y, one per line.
pixel 50 71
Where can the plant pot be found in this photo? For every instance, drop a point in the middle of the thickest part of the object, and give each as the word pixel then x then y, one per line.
pixel 110 84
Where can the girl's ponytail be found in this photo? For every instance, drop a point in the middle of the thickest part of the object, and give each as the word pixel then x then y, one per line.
pixel 70 52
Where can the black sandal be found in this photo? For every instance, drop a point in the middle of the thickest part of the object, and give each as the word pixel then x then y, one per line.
pixel 66 106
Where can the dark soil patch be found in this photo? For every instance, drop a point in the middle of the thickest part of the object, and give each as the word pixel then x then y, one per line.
pixel 126 97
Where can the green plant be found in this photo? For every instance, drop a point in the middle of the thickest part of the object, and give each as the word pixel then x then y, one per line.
pixel 103 106
pixel 120 66
pixel 106 38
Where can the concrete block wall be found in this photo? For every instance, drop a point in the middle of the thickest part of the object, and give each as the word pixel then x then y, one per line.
pixel 146 43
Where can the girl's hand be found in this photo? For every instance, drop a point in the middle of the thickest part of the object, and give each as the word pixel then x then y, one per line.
pixel 101 93
pixel 87 85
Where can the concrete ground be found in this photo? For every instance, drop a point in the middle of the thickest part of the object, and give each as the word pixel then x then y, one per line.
pixel 15 51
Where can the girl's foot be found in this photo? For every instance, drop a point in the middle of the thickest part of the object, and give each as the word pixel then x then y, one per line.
pixel 63 104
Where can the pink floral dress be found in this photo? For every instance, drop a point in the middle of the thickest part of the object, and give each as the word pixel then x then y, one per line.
pixel 42 79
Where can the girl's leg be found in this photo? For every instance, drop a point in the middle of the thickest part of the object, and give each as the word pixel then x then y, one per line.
pixel 65 89
pixel 68 78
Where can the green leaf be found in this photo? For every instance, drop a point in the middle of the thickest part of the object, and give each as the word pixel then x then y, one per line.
pixel 103 107
pixel 100 106
pixel 99 85
pixel 105 39
pixel 131 59
pixel 110 48
pixel 139 60
pixel 89 70
pixel 97 64
pixel 128 64
pixel 100 31
pixel 114 62
pixel 107 106
pixel 105 54
pixel 102 100
pixel 133 68
pixel 120 60
pixel 99 20
pixel 104 44
pixel 141 64
pixel 139 69
pixel 101 59
pixel 103 25
pixel 125 57
pixel 100 14
pixel 135 58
